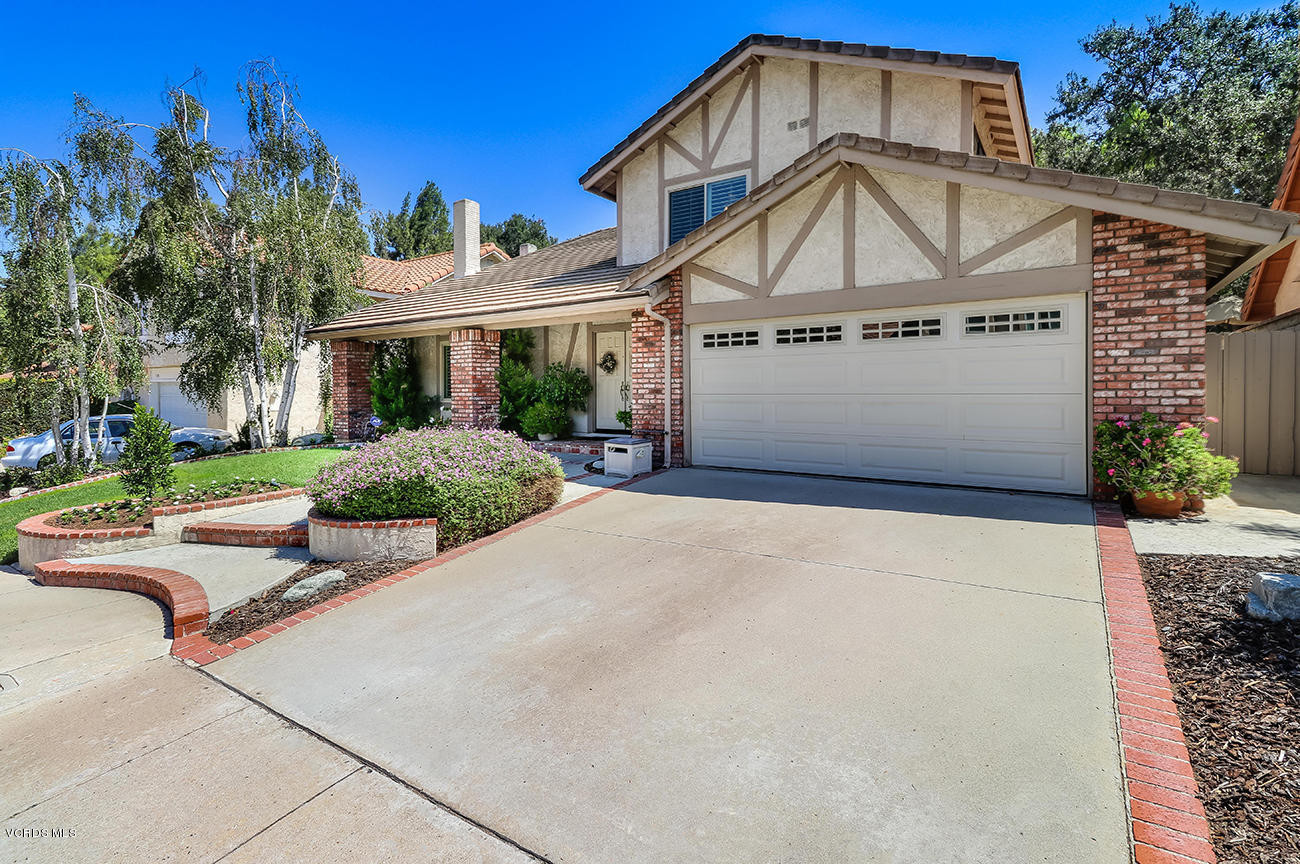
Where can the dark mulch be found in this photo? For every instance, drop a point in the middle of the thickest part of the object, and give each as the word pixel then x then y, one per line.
pixel 1237 684
pixel 267 608
pixel 114 514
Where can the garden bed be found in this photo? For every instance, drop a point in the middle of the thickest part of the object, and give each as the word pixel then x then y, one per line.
pixel 1237 685
pixel 268 608
pixel 135 512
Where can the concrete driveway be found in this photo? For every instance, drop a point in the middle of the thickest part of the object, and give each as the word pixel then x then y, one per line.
pixel 720 666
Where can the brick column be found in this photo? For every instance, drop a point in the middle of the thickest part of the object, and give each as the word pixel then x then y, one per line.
pixel 350 362
pixel 1148 319
pixel 647 355
pixel 475 394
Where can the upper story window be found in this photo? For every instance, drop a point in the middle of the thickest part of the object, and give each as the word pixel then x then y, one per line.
pixel 691 207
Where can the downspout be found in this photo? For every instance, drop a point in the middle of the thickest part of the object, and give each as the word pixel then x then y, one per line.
pixel 657 297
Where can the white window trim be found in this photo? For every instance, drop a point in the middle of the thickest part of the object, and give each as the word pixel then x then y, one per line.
pixel 670 188
pixel 899 319
pixel 1063 329
pixel 844 337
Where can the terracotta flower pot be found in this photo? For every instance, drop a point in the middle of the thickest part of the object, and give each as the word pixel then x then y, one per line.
pixel 1163 508
pixel 1194 504
pixel 1103 490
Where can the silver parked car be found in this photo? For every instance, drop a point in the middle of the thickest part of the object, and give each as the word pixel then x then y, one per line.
pixel 37 451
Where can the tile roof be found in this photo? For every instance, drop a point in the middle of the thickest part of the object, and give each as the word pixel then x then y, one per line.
pixel 401 277
pixel 1069 187
pixel 577 271
pixel 760 41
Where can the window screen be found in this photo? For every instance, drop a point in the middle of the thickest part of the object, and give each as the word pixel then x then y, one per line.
pixel 446 370
pixel 690 208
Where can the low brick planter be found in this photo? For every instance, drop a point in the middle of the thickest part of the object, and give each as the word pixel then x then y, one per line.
pixel 245 534
pixel 577 447
pixel 182 595
pixel 333 538
pixel 39 542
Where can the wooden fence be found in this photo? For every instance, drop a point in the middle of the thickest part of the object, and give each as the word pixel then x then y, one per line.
pixel 1253 388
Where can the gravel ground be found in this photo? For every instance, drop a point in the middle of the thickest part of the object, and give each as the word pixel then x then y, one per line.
pixel 1237 684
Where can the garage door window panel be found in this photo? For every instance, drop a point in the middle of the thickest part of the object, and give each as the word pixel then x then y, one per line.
pixel 999 323
pixel 902 328
pixel 810 334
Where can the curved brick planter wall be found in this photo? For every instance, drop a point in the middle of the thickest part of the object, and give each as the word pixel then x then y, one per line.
pixel 183 596
pixel 39 542
pixel 336 539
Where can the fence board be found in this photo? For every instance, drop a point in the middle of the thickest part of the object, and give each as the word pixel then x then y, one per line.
pixel 1282 404
pixel 1253 386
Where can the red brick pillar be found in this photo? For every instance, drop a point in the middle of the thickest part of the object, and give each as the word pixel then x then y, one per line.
pixel 350 362
pixel 475 394
pixel 647 353
pixel 1148 319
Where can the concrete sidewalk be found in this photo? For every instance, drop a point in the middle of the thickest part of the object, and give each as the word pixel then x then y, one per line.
pixel 729 667
pixel 1261 518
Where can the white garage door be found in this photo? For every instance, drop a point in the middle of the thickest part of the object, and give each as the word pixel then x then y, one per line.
pixel 978 394
pixel 172 406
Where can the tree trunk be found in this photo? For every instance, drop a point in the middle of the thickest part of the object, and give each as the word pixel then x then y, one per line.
pixel 250 408
pixel 79 360
pixel 56 431
pixel 259 361
pixel 103 428
pixel 289 387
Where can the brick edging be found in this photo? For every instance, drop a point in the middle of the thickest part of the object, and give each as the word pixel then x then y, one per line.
pixel 35 526
pixel 1168 820
pixel 199 650
pixel 594 449
pixel 245 534
pixel 182 594
pixel 315 518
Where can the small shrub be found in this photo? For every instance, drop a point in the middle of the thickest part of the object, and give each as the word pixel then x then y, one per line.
pixel 518 391
pixel 1144 454
pixel 396 391
pixel 146 461
pixel 473 481
pixel 543 418
pixel 55 474
pixel 567 388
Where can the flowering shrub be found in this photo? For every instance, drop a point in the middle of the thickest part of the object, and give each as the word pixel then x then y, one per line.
pixel 1147 455
pixel 473 481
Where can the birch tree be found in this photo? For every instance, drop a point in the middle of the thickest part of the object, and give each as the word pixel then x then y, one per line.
pixel 240 250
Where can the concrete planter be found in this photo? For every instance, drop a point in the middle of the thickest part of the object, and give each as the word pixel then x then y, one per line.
pixel 39 542
pixel 334 538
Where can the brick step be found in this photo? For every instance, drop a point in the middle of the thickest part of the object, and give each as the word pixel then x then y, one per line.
pixel 245 534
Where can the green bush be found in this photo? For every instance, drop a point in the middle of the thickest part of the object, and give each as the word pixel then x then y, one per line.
pixel 564 387
pixel 1147 455
pixel 396 392
pixel 473 481
pixel 543 418
pixel 518 391
pixel 146 461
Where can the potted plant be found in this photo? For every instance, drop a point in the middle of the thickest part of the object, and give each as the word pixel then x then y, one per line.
pixel 1206 475
pixel 545 421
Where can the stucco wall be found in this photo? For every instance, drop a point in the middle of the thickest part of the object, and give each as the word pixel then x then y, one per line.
pixel 305 415
pixel 718 135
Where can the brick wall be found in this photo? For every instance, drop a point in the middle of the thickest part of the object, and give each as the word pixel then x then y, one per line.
pixel 475 394
pixel 350 362
pixel 1148 318
pixel 647 352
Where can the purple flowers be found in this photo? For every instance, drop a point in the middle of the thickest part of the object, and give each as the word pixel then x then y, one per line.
pixel 474 481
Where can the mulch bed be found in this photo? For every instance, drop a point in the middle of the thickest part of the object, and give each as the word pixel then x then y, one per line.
pixel 267 608
pixel 73 519
pixel 1237 684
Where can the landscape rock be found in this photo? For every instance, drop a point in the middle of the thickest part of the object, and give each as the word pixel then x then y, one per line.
pixel 18 490
pixel 313 584
pixel 1274 597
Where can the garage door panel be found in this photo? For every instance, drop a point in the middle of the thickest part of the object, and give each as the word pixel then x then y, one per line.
pixel 1054 419
pixel 990 409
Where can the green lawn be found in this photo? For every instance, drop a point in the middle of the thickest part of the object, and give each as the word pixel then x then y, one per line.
pixel 293 467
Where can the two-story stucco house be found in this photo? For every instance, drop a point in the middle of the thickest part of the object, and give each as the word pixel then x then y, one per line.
pixel 839 259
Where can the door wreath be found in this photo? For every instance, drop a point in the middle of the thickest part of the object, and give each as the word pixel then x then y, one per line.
pixel 608 362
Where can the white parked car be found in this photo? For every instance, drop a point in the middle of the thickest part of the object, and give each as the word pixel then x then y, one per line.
pixel 37 451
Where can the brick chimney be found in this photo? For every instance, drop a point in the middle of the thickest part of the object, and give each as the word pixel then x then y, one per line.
pixel 466 242
pixel 526 249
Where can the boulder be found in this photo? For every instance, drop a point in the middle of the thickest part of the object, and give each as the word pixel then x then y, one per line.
pixel 18 491
pixel 313 584
pixel 1274 597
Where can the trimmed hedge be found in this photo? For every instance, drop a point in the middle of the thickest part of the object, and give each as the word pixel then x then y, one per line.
pixel 473 481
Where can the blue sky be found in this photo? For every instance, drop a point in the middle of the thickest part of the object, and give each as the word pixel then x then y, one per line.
pixel 507 104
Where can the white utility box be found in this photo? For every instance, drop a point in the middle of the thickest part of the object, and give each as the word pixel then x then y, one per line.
pixel 628 457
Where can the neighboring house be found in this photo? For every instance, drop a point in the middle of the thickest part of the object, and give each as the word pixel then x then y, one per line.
pixel 1274 290
pixel 380 279
pixel 837 259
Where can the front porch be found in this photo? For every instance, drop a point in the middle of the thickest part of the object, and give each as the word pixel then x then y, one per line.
pixel 622 353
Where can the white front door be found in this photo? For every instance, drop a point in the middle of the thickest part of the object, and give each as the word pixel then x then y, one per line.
pixel 978 394
pixel 611 350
